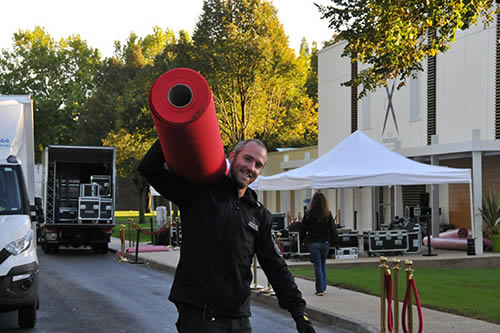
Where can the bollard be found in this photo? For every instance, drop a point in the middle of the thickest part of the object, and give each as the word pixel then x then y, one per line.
pixel 122 239
pixel 136 261
pixel 254 285
pixel 396 269
pixel 383 268
pixel 170 246
pixel 129 231
pixel 409 276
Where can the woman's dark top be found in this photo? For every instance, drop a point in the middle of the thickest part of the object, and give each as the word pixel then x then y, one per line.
pixel 315 230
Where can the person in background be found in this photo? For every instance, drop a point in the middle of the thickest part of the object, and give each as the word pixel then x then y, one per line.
pixel 319 231
pixel 223 227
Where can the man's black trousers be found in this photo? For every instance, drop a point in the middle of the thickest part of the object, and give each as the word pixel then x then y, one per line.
pixel 196 320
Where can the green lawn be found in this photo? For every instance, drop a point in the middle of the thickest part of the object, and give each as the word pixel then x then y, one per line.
pixel 470 292
pixel 123 217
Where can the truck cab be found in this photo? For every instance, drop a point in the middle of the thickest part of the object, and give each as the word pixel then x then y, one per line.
pixel 18 257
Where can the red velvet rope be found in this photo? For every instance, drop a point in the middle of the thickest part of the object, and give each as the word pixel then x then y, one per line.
pixel 149 233
pixel 412 286
pixel 388 287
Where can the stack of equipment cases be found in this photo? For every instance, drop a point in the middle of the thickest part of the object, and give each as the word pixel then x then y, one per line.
pixel 95 202
pixel 415 240
pixel 395 241
pixel 104 192
pixel 348 245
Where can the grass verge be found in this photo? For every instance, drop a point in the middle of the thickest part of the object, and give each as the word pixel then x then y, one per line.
pixel 472 293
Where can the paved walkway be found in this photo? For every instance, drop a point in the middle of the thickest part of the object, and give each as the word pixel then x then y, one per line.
pixel 358 312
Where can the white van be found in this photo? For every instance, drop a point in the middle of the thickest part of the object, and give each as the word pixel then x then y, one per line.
pixel 18 257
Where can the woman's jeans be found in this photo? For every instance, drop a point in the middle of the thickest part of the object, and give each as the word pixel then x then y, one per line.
pixel 318 255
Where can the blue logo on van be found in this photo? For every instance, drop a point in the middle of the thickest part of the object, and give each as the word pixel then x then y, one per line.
pixel 4 142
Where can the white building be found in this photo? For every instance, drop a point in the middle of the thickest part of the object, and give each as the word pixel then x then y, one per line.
pixel 449 115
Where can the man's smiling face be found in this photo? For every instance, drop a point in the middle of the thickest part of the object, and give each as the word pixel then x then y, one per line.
pixel 247 164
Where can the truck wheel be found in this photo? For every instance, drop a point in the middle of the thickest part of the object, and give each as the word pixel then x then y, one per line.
pixel 27 316
pixel 104 248
pixel 55 249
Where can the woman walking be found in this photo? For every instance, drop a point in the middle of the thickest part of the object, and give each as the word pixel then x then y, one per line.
pixel 320 233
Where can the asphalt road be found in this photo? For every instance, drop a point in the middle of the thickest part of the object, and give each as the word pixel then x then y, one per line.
pixel 82 292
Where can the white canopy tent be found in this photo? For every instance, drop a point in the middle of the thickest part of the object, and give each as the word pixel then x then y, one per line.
pixel 361 161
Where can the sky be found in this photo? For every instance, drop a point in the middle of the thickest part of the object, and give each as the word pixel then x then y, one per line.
pixel 101 22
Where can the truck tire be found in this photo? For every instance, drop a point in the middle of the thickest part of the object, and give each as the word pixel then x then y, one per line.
pixel 27 316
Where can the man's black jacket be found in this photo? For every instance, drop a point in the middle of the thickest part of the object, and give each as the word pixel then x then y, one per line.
pixel 220 235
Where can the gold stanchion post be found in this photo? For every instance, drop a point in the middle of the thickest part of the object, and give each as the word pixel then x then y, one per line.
pixel 409 276
pixel 129 231
pixel 254 285
pixel 169 241
pixel 122 238
pixel 270 290
pixel 383 267
pixel 177 247
pixel 396 293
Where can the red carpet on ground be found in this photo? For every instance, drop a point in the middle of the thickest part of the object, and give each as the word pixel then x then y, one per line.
pixel 146 248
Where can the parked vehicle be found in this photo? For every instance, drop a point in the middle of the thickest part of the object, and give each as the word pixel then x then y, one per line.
pixel 18 256
pixel 78 189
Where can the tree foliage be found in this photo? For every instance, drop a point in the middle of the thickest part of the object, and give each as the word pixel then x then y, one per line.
pixel 257 82
pixel 394 36
pixel 59 75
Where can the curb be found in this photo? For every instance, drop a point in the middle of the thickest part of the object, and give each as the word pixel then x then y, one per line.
pixel 326 317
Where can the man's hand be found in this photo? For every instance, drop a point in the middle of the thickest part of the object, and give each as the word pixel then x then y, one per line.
pixel 304 325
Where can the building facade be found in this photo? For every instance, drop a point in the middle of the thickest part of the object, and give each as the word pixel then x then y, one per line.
pixel 449 115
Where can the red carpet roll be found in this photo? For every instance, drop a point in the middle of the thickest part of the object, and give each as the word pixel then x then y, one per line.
pixel 455 233
pixel 183 111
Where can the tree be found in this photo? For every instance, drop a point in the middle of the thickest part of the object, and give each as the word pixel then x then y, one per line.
pixel 257 82
pixel 59 75
pixel 394 37
pixel 131 148
pixel 118 113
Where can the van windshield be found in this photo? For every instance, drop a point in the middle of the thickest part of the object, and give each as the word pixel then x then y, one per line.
pixel 10 191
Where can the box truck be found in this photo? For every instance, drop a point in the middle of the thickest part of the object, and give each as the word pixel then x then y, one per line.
pixel 78 192
pixel 18 257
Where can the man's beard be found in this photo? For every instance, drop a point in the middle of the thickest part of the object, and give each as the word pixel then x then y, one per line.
pixel 235 179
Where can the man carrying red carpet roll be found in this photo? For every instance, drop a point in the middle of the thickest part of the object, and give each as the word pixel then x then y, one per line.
pixel 223 226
